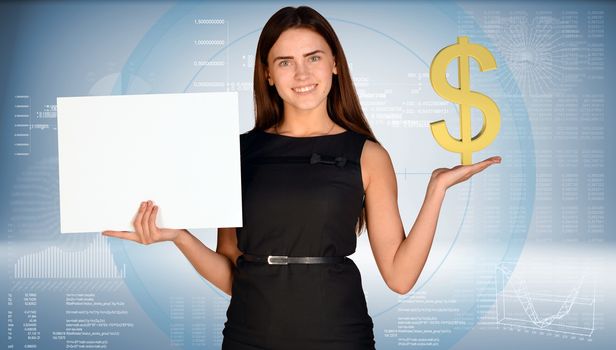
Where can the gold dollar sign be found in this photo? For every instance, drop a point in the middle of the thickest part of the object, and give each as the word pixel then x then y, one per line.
pixel 465 98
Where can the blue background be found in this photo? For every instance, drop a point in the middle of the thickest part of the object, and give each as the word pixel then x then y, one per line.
pixel 523 254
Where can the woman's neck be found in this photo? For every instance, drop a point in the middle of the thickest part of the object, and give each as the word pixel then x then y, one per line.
pixel 305 122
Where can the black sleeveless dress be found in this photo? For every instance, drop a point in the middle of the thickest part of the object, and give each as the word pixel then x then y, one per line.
pixel 301 196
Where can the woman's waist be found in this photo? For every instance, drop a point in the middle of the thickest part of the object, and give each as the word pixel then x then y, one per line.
pixel 264 277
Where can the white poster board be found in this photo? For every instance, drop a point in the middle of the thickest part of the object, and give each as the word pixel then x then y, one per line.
pixel 179 150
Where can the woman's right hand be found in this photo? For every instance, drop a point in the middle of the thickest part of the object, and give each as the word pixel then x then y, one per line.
pixel 146 231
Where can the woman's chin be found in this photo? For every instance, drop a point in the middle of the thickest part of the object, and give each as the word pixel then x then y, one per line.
pixel 304 106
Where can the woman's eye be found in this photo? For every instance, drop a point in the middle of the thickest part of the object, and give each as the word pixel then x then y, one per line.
pixel 315 58
pixel 283 63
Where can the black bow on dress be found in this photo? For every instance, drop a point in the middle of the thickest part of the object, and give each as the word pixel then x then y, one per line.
pixel 317 158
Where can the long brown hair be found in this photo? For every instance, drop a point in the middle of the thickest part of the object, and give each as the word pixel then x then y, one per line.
pixel 343 104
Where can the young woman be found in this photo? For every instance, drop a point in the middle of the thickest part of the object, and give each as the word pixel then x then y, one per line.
pixel 313 176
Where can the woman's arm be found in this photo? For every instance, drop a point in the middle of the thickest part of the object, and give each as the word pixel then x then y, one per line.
pixel 213 266
pixel 401 258
pixel 411 252
pixel 216 267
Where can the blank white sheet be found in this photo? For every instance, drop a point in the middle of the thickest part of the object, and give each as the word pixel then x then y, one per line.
pixel 179 150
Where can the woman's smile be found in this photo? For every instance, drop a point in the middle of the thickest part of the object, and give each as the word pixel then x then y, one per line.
pixel 303 90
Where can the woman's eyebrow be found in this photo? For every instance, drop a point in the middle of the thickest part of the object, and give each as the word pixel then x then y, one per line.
pixel 291 57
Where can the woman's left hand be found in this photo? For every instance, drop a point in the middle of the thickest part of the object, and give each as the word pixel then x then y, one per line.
pixel 447 177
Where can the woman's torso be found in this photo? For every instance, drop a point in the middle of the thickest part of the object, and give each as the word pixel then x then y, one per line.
pixel 301 196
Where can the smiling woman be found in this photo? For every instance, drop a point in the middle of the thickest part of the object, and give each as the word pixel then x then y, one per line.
pixel 313 176
pixel 300 66
pixel 302 82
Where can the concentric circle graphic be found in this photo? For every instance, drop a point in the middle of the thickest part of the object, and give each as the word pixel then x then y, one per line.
pixel 387 66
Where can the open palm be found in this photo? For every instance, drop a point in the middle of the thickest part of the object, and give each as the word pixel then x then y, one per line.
pixel 447 177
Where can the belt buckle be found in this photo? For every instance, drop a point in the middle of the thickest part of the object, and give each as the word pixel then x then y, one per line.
pixel 278 260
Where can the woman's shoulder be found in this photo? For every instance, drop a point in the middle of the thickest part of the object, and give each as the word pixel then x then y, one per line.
pixel 249 135
pixel 375 161
pixel 247 138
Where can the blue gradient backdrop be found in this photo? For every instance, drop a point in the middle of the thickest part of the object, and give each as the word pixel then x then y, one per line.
pixel 523 254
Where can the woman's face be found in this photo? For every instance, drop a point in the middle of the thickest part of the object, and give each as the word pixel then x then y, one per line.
pixel 300 65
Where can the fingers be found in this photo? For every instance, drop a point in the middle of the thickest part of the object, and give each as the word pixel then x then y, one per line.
pixel 137 221
pixel 122 234
pixel 477 167
pixel 145 223
pixel 468 171
pixel 460 173
pixel 491 160
pixel 146 231
pixel 152 224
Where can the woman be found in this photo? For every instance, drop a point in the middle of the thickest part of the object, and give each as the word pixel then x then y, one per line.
pixel 313 175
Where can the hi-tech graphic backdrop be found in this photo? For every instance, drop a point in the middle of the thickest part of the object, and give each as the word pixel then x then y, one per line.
pixel 524 252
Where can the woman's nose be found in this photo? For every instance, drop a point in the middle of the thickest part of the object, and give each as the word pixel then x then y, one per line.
pixel 301 71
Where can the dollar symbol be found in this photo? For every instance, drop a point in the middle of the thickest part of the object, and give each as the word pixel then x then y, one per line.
pixel 466 98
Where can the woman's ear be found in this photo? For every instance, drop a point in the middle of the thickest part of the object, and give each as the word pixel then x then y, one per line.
pixel 269 79
pixel 335 70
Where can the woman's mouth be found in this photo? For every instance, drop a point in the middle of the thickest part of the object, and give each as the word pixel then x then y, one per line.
pixel 304 89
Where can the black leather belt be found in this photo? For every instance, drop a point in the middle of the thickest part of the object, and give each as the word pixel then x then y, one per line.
pixel 285 260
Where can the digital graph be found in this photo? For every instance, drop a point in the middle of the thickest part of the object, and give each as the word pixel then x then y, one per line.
pixel 95 261
pixel 534 301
